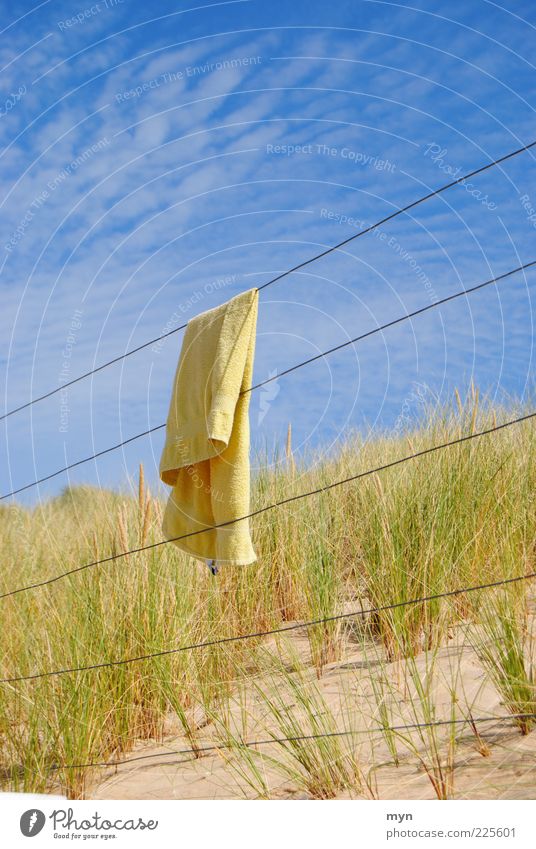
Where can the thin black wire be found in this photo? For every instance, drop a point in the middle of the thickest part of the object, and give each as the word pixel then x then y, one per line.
pixel 395 321
pixel 280 276
pixel 398 212
pixel 360 338
pixel 89 373
pixel 282 629
pixel 380 729
pixel 81 462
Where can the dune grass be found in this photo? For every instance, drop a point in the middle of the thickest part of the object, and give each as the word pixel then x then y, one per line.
pixel 415 702
pixel 308 751
pixel 455 518
pixel 506 644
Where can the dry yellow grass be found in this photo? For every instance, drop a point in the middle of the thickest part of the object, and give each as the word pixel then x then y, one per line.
pixel 456 518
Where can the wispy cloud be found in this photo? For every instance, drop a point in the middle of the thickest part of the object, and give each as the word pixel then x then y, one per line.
pixel 153 160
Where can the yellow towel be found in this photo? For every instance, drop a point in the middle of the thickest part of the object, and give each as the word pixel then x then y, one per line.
pixel 206 453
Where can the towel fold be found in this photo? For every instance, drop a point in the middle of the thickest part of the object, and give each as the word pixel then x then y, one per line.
pixel 206 452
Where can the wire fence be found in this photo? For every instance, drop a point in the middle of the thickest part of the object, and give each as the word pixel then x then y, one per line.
pixel 287 371
pixel 301 624
pixel 293 626
pixel 302 738
pixel 284 274
pixel 290 499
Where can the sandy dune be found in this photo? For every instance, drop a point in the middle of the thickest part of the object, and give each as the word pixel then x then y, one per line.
pixel 508 771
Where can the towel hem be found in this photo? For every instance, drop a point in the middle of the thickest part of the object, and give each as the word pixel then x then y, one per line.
pixel 203 558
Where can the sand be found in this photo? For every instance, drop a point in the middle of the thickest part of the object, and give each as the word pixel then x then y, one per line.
pixel 506 770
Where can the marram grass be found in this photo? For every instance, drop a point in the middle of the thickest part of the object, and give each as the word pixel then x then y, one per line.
pixel 455 518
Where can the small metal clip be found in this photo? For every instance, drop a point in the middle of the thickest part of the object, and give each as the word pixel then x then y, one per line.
pixel 212 566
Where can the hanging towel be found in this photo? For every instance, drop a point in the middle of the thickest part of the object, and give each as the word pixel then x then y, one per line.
pixel 206 452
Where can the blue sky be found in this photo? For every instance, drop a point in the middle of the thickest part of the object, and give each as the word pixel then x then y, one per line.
pixel 159 158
